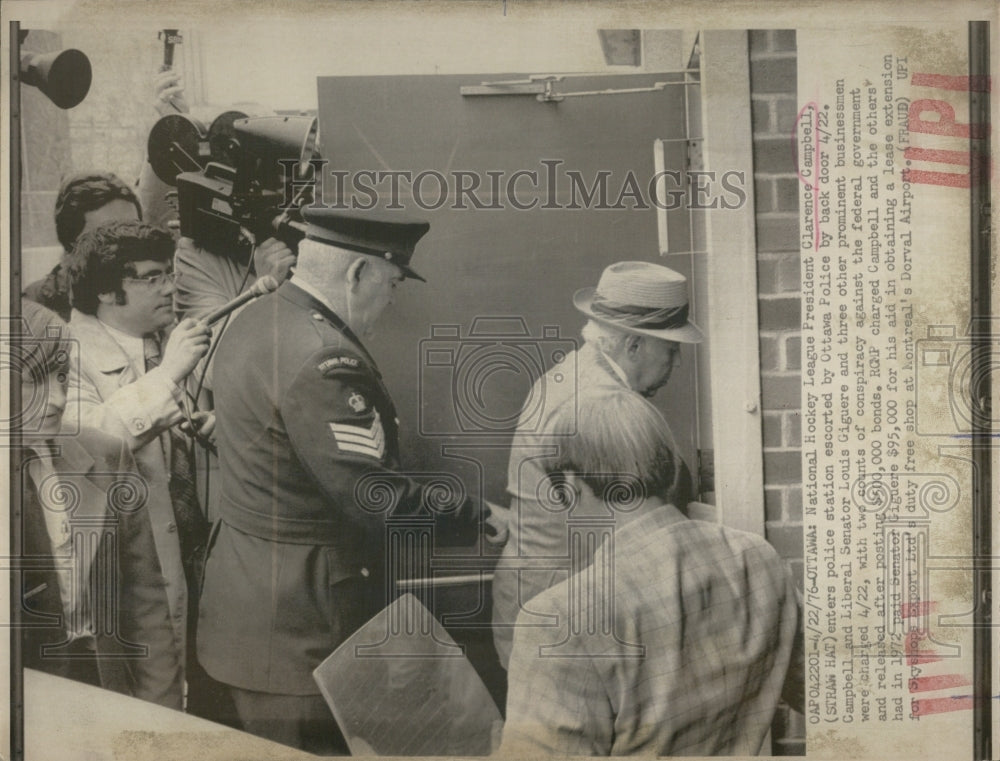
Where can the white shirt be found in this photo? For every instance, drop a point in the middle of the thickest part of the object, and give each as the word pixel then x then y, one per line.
pixel 133 346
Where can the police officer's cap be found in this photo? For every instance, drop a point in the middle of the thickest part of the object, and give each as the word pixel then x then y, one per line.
pixel 383 234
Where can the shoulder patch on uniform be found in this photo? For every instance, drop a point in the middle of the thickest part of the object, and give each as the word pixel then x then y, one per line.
pixel 335 363
pixel 360 439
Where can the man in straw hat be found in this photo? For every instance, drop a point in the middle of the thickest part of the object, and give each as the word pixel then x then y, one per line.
pixel 680 636
pixel 638 319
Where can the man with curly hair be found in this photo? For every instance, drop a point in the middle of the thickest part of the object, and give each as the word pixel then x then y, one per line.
pixel 130 382
pixel 85 201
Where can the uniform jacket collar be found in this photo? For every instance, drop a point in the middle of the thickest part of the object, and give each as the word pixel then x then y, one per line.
pixel 300 297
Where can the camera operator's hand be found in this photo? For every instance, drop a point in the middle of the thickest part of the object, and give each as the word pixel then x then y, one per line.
pixel 187 344
pixel 168 94
pixel 204 426
pixel 273 258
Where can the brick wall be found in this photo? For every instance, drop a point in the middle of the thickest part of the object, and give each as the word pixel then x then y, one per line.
pixel 772 85
pixel 776 192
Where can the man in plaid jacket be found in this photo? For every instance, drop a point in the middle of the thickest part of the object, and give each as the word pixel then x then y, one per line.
pixel 678 639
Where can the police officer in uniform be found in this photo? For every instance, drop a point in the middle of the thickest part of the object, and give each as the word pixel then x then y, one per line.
pixel 308 446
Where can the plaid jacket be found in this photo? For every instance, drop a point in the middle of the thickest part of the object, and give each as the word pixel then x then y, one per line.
pixel 677 640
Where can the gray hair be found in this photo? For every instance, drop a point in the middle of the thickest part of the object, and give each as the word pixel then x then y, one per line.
pixel 616 442
pixel 321 264
pixel 605 337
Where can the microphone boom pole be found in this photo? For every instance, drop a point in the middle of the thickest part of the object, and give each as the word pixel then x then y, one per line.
pixel 264 285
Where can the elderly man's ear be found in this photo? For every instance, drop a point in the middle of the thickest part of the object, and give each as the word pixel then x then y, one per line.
pixel 356 271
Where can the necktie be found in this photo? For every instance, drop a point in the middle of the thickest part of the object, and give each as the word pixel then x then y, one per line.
pixel 192 528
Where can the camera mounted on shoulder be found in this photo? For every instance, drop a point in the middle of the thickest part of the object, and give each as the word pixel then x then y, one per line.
pixel 241 179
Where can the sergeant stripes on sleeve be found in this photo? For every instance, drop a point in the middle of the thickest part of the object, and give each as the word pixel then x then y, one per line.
pixel 368 441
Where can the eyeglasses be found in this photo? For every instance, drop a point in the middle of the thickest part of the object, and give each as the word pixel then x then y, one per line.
pixel 155 280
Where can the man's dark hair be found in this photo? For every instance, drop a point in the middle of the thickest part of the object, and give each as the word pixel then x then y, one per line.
pixel 85 192
pixel 103 256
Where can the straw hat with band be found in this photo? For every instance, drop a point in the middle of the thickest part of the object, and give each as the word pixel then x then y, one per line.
pixel 641 297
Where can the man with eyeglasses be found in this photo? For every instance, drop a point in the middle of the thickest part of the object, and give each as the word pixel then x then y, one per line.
pixel 637 322
pixel 85 201
pixel 129 381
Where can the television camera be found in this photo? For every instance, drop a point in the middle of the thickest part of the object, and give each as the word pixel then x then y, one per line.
pixel 240 177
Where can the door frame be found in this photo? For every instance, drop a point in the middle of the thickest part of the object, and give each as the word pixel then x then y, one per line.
pixel 734 349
